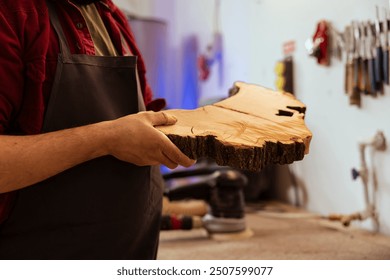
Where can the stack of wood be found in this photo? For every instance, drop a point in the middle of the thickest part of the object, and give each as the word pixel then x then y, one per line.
pixel 254 127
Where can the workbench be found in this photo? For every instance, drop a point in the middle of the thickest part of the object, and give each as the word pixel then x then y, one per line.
pixel 281 232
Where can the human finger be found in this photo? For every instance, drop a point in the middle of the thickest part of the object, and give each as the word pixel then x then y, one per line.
pixel 172 152
pixel 168 162
pixel 162 118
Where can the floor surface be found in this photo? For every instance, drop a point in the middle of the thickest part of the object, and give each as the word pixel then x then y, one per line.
pixel 279 233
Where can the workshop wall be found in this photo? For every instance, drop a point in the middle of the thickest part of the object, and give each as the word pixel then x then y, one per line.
pixel 253 32
pixel 139 7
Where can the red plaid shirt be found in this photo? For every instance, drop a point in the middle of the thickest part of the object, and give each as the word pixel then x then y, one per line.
pixel 28 60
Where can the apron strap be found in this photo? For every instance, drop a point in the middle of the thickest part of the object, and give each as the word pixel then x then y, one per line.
pixel 64 48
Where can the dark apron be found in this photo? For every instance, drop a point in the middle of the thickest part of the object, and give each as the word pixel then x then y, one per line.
pixel 103 208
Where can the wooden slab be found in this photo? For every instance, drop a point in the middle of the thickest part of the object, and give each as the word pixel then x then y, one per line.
pixel 254 127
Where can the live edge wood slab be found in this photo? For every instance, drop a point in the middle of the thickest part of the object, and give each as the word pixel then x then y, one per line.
pixel 252 128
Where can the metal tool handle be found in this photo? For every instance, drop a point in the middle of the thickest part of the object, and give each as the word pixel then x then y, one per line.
pixel 385 66
pixel 378 68
pixel 371 78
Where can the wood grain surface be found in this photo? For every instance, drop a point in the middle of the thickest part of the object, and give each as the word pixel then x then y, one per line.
pixel 250 129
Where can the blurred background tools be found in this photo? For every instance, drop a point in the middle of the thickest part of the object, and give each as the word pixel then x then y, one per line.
pixel 318 45
pixel 222 191
pixel 367 52
pixel 366 47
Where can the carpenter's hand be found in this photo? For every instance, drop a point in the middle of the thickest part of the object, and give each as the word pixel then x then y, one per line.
pixel 134 139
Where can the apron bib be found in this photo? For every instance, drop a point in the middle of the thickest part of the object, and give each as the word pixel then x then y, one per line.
pixel 103 208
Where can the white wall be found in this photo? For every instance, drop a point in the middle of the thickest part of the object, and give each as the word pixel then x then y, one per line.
pixel 254 31
pixel 140 7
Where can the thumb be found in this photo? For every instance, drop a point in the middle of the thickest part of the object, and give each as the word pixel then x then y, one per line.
pixel 162 118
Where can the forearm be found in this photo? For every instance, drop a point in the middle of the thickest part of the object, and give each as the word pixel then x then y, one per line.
pixel 26 160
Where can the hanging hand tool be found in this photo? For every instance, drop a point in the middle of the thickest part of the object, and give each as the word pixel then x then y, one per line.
pixel 355 98
pixel 362 59
pixel 387 35
pixel 318 45
pixel 369 59
pixel 349 46
pixel 385 48
pixel 378 55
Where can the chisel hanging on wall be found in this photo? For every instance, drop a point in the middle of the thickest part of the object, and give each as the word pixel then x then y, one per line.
pixel 362 59
pixel 349 46
pixel 369 46
pixel 355 98
pixel 385 48
pixel 378 54
pixel 387 35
